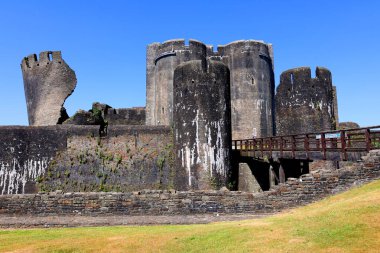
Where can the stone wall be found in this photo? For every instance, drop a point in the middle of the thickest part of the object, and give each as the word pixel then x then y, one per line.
pixel 125 116
pixel 295 192
pixel 26 153
pixel 305 104
pixel 76 158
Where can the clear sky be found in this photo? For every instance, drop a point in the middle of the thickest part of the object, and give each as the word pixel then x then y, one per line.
pixel 105 42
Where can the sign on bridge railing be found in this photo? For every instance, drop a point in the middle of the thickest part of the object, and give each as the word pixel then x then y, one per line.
pixel 328 136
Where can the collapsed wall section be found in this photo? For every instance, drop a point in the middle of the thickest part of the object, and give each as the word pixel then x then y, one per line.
pixel 305 104
pixel 202 124
pixel 48 81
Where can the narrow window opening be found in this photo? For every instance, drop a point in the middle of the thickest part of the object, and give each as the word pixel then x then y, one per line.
pixel 163 110
pixel 253 81
pixel 50 56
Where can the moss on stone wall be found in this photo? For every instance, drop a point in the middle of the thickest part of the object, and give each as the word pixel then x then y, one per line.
pixel 124 162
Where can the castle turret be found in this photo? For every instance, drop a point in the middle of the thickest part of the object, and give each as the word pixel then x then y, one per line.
pixel 48 81
pixel 252 82
pixel 305 104
pixel 252 87
pixel 162 59
pixel 202 124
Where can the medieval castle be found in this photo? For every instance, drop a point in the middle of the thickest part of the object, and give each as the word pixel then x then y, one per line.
pixel 197 100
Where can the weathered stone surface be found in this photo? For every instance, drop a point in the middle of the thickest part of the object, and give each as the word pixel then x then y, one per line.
pixel 202 124
pixel 251 74
pixel 161 60
pixel 126 116
pixel 104 115
pixel 26 153
pixel 335 106
pixel 82 117
pixel 75 158
pixel 252 87
pixel 348 125
pixel 48 81
pixel 295 192
pixel 305 104
pixel 247 181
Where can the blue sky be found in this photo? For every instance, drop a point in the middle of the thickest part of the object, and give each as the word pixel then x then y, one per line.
pixel 105 42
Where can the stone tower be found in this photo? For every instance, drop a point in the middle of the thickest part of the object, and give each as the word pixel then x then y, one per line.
pixel 202 127
pixel 48 81
pixel 252 87
pixel 161 60
pixel 252 82
pixel 305 104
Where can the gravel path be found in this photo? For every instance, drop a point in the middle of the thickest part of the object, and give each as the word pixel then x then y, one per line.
pixel 7 221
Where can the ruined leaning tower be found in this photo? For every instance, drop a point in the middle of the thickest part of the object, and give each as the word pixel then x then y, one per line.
pixel 252 82
pixel 305 104
pixel 48 81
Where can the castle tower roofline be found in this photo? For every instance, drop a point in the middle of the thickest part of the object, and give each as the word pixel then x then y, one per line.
pixel 44 58
pixel 304 72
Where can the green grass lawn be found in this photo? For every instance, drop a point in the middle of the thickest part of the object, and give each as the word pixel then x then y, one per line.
pixel 348 222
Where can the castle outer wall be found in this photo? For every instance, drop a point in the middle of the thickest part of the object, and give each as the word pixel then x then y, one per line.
pixel 74 158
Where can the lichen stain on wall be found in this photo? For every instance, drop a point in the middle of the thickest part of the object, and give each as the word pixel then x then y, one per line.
pixel 207 150
pixel 14 175
pixel 125 162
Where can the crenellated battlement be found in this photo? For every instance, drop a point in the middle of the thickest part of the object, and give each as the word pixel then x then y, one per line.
pixel 303 75
pixel 170 47
pixel 305 104
pixel 45 58
pixel 244 46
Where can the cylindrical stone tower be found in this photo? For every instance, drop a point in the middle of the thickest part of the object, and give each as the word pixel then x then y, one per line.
pixel 252 87
pixel 202 127
pixel 161 61
pixel 305 104
pixel 48 81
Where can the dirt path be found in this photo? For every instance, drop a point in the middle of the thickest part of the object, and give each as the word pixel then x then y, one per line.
pixel 7 221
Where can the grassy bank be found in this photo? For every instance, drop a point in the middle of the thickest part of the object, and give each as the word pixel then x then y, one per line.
pixel 348 222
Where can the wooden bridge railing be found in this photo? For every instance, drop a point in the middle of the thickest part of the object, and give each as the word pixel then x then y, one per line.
pixel 342 141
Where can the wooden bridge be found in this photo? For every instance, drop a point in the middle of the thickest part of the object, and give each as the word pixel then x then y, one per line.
pixel 337 145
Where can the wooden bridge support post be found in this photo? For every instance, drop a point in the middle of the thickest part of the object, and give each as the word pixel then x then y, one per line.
pixel 368 139
pixel 281 174
pixel 272 177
